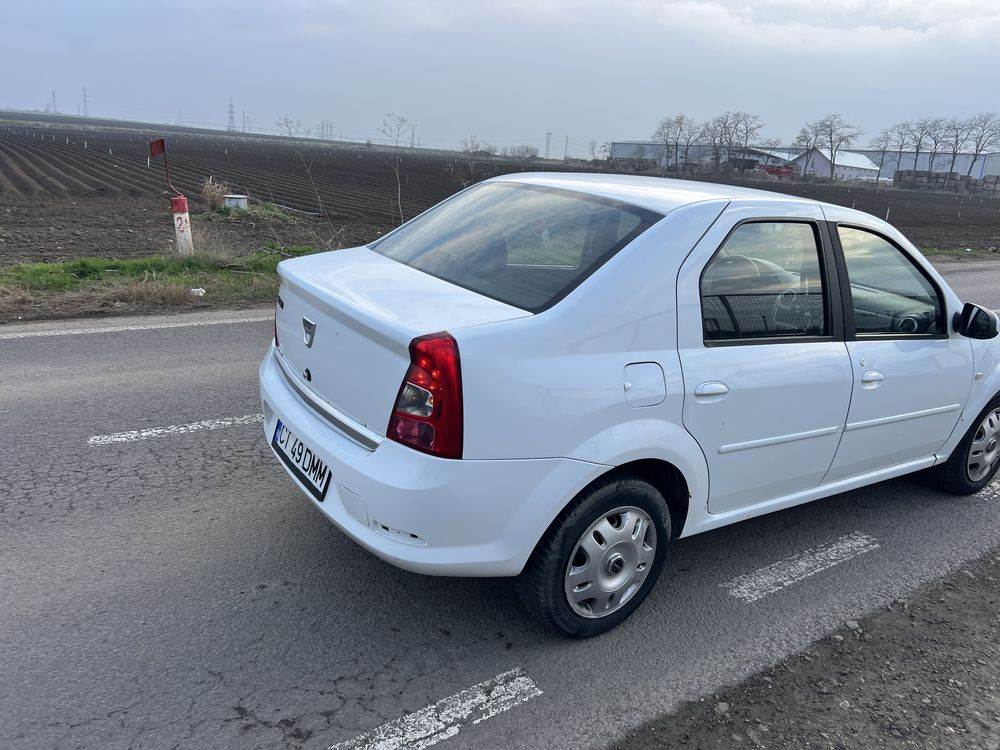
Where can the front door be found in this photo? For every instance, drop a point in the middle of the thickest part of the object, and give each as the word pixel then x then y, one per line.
pixel 767 377
pixel 911 375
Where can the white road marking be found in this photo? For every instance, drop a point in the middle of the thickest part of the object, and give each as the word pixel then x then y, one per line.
pixel 439 721
pixel 175 429
pixel 136 327
pixel 781 575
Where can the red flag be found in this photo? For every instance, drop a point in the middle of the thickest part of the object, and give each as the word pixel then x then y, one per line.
pixel 157 147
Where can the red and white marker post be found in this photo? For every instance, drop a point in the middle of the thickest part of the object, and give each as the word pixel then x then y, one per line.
pixel 178 203
pixel 182 225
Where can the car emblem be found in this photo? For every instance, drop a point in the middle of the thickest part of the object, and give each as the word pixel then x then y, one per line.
pixel 308 331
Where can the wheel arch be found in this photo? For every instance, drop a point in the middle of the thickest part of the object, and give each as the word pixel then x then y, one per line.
pixel 663 475
pixel 668 480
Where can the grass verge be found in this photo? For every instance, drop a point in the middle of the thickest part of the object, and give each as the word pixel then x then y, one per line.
pixel 960 253
pixel 100 286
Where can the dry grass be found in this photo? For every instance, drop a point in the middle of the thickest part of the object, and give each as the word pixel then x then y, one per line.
pixel 97 286
pixel 213 192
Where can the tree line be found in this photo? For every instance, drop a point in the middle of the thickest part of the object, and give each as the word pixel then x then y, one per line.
pixel 940 137
pixel 732 132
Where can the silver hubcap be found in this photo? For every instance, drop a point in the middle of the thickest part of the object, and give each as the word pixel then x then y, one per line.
pixel 610 562
pixel 983 451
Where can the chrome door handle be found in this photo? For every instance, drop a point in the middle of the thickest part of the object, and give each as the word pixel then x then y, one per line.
pixel 711 388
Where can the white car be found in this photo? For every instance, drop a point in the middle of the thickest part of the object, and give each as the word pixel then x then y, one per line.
pixel 551 376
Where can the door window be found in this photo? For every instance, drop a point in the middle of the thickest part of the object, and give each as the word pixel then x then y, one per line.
pixel 890 294
pixel 765 281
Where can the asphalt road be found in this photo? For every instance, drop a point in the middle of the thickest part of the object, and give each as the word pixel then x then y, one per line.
pixel 177 591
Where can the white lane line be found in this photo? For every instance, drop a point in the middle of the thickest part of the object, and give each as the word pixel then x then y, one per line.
pixel 136 327
pixel 439 721
pixel 174 429
pixel 781 575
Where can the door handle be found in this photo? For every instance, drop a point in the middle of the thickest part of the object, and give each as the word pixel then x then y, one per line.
pixel 872 379
pixel 711 388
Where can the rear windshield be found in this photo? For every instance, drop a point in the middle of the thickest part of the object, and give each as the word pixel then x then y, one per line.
pixel 525 245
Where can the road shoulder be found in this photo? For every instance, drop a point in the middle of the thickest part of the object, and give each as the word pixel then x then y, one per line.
pixel 922 672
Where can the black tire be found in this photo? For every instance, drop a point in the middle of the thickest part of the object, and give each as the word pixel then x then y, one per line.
pixel 953 475
pixel 540 586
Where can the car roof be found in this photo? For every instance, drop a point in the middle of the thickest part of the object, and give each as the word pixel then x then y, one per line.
pixel 659 194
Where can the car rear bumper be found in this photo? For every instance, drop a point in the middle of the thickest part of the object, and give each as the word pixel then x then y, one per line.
pixel 421 513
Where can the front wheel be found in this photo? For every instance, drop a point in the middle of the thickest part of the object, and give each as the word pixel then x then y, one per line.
pixel 976 458
pixel 599 559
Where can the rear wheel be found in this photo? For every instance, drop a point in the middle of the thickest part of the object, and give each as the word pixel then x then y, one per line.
pixel 976 458
pixel 599 559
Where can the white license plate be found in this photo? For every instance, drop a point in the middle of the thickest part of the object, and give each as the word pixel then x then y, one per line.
pixel 309 468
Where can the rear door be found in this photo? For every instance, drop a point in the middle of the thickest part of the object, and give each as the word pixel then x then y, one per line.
pixel 767 378
pixel 911 375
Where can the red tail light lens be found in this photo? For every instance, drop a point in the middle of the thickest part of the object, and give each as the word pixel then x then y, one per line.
pixel 428 411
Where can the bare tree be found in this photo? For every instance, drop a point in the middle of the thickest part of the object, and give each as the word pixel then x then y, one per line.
pixel 834 134
pixel 665 135
pixel 745 128
pixel 720 133
pixel 881 142
pixel 957 135
pixel 807 139
pixel 920 132
pixel 393 128
pixel 288 126
pixel 984 134
pixel 727 129
pixel 688 131
pixel 593 152
pixel 937 135
pixel 473 150
pixel 900 134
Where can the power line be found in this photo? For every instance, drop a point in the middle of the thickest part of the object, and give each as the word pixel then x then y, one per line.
pixel 231 123
pixel 86 103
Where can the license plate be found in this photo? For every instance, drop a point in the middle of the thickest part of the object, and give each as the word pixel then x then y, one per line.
pixel 309 468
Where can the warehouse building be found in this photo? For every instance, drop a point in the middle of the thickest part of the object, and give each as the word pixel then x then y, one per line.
pixel 847 166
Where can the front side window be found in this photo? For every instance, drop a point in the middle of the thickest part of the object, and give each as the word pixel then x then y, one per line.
pixel 890 294
pixel 766 281
pixel 525 245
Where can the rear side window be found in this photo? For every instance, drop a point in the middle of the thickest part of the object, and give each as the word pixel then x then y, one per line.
pixel 766 281
pixel 890 295
pixel 525 245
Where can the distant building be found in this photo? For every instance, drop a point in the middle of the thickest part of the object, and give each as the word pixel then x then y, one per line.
pixel 653 154
pixel 848 166
pixel 890 161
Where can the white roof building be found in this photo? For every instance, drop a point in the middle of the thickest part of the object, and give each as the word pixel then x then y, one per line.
pixel 850 165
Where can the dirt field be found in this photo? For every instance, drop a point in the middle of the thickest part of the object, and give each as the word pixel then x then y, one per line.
pixel 73 191
pixel 919 674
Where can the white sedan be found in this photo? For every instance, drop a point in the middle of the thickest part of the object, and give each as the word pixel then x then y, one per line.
pixel 552 376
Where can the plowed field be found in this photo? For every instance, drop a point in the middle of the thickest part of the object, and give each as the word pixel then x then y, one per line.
pixel 72 190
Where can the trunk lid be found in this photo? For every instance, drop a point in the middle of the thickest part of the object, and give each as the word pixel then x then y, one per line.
pixel 365 309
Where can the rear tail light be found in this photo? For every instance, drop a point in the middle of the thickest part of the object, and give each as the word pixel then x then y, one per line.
pixel 428 411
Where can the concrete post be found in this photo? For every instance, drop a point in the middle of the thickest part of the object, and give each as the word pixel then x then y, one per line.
pixel 182 225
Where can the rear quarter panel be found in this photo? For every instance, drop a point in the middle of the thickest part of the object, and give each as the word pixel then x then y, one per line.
pixel 553 385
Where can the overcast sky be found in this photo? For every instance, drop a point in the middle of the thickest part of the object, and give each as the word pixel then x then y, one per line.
pixel 506 71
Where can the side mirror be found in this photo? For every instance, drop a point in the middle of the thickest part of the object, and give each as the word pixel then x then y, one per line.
pixel 976 322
